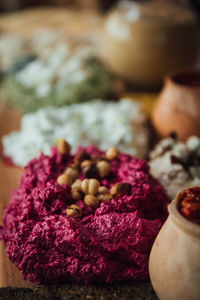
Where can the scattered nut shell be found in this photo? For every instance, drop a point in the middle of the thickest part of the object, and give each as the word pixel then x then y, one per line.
pixel 64 179
pixel 105 197
pixel 74 211
pixel 120 189
pixel 77 184
pixel 103 190
pixel 91 200
pixel 90 186
pixel 73 172
pixel 112 153
pixel 103 168
pixel 76 194
pixel 63 147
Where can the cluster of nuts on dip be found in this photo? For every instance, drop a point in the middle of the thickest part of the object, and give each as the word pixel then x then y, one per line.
pixel 89 190
pixel 189 204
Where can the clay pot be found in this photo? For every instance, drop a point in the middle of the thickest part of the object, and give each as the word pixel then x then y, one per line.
pixel 178 106
pixel 174 264
pixel 143 42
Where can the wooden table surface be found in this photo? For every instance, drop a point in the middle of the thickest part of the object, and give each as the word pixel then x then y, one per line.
pixel 9 178
pixel 65 20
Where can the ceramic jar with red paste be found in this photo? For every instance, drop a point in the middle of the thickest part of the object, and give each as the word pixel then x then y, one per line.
pixel 174 264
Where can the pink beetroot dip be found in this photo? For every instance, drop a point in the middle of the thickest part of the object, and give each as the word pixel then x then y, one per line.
pixel 109 243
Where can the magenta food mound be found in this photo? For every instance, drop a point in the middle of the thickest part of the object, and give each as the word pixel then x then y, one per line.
pixel 109 243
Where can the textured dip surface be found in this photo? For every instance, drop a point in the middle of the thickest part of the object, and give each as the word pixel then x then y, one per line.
pixel 107 244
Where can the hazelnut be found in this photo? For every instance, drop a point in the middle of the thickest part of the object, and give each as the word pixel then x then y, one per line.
pixel 64 179
pixel 73 172
pixel 105 197
pixel 91 200
pixel 112 153
pixel 77 184
pixel 85 186
pixel 63 147
pixel 103 190
pixel 81 156
pixel 96 157
pixel 103 168
pixel 90 186
pixel 74 211
pixel 76 194
pixel 90 171
pixel 120 189
pixel 86 163
pixel 74 166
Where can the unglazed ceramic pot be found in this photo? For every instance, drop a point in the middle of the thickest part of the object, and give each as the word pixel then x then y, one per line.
pixel 174 263
pixel 143 42
pixel 178 105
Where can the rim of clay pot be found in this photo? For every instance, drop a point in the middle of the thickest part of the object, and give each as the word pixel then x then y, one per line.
pixel 183 223
pixel 184 78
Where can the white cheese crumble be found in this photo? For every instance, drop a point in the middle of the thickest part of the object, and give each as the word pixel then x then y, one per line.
pixel 176 164
pixel 11 47
pixel 100 123
pixel 44 44
pixel 62 66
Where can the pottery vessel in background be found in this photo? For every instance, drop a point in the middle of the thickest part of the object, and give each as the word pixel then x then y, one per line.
pixel 143 42
pixel 178 106
pixel 174 264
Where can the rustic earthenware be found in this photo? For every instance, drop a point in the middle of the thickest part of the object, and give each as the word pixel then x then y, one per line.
pixel 178 106
pixel 174 264
pixel 142 42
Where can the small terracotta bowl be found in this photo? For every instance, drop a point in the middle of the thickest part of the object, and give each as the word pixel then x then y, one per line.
pixel 174 263
pixel 178 106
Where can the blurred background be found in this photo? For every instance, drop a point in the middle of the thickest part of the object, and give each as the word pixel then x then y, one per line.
pixel 12 5
pixel 55 53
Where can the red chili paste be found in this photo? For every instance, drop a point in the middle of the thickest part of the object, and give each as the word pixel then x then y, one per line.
pixel 189 204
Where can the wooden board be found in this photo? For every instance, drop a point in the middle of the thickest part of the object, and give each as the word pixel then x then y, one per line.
pixel 65 20
pixel 9 178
